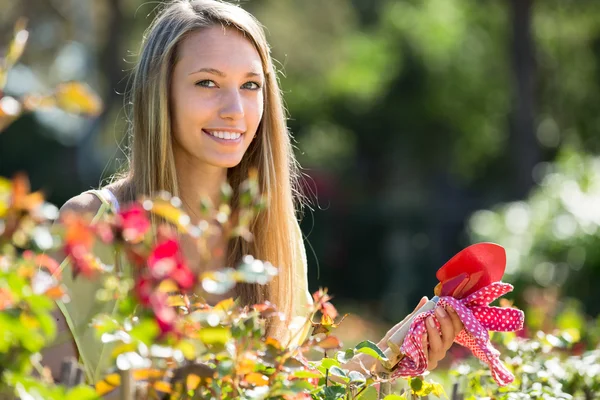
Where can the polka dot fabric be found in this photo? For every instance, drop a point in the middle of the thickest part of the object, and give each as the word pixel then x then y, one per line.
pixel 478 318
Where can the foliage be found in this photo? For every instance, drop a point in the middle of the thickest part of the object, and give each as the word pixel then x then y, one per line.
pixel 548 366
pixel 552 238
pixel 174 344
pixel 72 97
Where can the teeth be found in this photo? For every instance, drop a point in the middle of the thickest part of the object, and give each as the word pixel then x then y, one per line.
pixel 225 135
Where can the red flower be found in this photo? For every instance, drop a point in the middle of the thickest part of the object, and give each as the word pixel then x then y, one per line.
pixel 184 277
pixel 164 315
pixel 322 303
pixel 473 268
pixel 143 289
pixel 166 261
pixel 134 223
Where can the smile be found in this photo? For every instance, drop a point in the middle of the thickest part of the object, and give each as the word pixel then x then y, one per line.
pixel 224 135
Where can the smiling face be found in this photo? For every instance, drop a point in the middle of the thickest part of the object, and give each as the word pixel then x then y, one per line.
pixel 216 97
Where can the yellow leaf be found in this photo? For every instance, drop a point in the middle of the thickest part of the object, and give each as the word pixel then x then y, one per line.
pixel 187 348
pixel 161 386
pixel 257 379
pixel 225 305
pixel 217 335
pixel 170 213
pixel 123 348
pixel 326 320
pixel 175 301
pixel 78 98
pixel 148 374
pixel 192 381
pixel 246 365
pixel 168 286
pixel 108 384
pixel 28 321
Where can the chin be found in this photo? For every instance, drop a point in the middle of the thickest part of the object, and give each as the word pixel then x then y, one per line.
pixel 226 163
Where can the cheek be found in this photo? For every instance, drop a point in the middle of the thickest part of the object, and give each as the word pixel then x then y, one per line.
pixel 190 108
pixel 256 110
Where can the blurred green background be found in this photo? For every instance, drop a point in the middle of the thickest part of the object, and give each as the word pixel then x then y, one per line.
pixel 422 126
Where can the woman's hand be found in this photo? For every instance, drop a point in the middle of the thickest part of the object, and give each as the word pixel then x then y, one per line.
pixel 439 344
pixel 436 343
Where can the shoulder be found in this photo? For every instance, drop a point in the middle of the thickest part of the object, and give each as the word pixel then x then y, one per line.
pixel 84 203
pixel 89 203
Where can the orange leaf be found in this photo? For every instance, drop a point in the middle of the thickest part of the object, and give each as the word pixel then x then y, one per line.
pixel 56 292
pixel 45 261
pixel 192 381
pixel 22 199
pixel 273 342
pixel 330 343
pixel 257 379
pixel 246 364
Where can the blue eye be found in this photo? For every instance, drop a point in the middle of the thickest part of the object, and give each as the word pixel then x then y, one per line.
pixel 251 85
pixel 206 83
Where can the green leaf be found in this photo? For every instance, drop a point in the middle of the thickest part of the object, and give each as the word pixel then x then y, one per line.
pixel 345 356
pixel 82 393
pixel 329 362
pixel 293 364
pixel 48 325
pixel 300 385
pixel 356 377
pixel 336 371
pixel 416 384
pixel 306 374
pixel 146 331
pixel 334 392
pixel 371 349
pixel 370 393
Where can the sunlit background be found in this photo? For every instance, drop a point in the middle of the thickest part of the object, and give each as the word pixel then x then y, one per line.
pixel 422 126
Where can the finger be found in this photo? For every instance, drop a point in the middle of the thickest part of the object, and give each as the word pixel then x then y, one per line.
pixel 456 322
pixel 435 340
pixel 430 365
pixel 446 327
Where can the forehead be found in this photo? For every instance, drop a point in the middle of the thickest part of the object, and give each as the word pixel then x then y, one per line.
pixel 220 48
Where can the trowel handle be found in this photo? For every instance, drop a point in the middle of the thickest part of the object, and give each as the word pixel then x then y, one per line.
pixel 393 353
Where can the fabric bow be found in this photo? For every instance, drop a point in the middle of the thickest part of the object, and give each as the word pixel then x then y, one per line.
pixel 478 319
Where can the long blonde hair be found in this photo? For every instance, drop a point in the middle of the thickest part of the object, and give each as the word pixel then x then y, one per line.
pixel 277 237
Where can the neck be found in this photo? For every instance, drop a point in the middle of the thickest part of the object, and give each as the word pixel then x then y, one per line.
pixel 197 182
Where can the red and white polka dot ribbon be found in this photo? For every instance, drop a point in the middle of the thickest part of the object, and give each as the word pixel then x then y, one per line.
pixel 478 319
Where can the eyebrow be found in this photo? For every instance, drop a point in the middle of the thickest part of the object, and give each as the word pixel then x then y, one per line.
pixel 222 74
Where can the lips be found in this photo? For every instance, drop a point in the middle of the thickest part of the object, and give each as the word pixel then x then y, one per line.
pixel 224 135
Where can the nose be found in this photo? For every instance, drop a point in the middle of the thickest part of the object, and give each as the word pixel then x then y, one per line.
pixel 232 107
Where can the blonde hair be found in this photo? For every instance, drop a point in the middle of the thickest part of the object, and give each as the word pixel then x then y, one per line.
pixel 152 164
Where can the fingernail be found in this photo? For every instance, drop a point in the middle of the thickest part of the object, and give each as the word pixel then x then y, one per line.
pixel 440 312
pixel 431 322
pixel 452 310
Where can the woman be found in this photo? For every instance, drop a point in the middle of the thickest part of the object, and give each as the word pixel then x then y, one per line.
pixel 206 107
